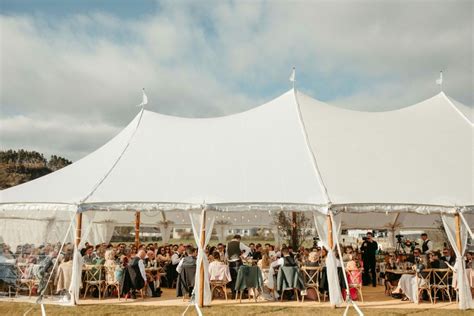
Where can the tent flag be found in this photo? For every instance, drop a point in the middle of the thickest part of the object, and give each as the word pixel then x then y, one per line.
pixel 293 75
pixel 144 99
pixel 439 81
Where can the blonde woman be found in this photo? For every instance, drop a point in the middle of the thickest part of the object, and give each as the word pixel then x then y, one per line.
pixel 267 275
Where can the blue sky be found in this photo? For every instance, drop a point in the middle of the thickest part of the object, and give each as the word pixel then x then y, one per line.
pixel 54 8
pixel 80 65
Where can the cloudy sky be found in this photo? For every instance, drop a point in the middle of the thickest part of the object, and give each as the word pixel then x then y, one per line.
pixel 72 71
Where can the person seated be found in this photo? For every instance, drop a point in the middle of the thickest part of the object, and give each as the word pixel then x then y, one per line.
pixel 42 272
pixel 264 262
pixel 88 256
pixel 171 274
pixel 135 275
pixel 99 254
pixel 64 275
pixel 153 277
pixel 348 254
pixel 110 258
pixel 303 255
pixel 313 260
pixel 286 260
pixel 415 257
pixel 162 256
pixel 447 257
pixel 216 272
pixel 150 260
pixel 221 250
pixel 407 284
pixel 257 254
pixel 120 251
pixel 434 262
pixel 353 272
pixel 469 261
pixel 186 272
pixel 120 268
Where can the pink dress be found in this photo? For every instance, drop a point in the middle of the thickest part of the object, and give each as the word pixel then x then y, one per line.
pixel 354 276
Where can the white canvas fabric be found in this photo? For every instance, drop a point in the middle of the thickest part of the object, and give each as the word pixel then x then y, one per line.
pixel 420 156
pixel 464 290
pixel 76 282
pixel 101 232
pixel 322 228
pixel 221 232
pixel 466 111
pixel 165 230
pixel 197 224
pixel 252 158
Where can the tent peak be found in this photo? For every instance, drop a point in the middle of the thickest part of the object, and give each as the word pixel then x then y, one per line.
pixel 465 111
pixel 253 108
pixel 424 102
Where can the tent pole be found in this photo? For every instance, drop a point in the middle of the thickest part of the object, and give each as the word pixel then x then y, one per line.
pixel 201 270
pixel 330 234
pixel 78 228
pixel 137 229
pixel 457 222
pixel 330 240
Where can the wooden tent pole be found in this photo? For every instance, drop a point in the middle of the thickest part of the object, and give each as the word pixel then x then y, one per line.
pixel 330 235
pixel 330 240
pixel 137 229
pixel 457 223
pixel 201 270
pixel 78 228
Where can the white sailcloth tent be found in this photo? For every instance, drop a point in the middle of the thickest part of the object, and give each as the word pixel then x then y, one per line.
pixel 397 169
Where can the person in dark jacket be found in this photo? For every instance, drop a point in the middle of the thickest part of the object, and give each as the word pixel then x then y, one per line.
pixel 186 273
pixel 369 248
pixel 135 276
pixel 448 257
pixel 287 260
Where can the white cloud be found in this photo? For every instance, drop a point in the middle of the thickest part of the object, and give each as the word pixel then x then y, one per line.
pixel 220 58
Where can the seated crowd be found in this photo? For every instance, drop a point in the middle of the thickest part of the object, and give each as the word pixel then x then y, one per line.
pixel 147 269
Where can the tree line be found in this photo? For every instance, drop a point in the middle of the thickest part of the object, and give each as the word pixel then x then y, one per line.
pixel 32 159
pixel 20 166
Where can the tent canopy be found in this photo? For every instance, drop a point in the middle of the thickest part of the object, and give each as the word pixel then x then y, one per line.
pixel 416 159
pixel 259 158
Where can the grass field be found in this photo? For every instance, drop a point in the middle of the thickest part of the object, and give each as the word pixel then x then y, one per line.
pixel 11 309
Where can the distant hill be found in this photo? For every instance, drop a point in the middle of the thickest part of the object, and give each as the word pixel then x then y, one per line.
pixel 20 166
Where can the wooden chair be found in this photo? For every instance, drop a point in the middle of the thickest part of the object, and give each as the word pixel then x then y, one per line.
pixel 219 279
pixel 219 284
pixel 282 271
pixel 423 282
pixel 440 282
pixel 94 278
pixel 355 282
pixel 311 280
pixel 26 280
pixel 110 280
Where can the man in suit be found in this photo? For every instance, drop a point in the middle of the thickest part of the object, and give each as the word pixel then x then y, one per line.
pixel 186 272
pixel 135 276
pixel 447 257
pixel 369 248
